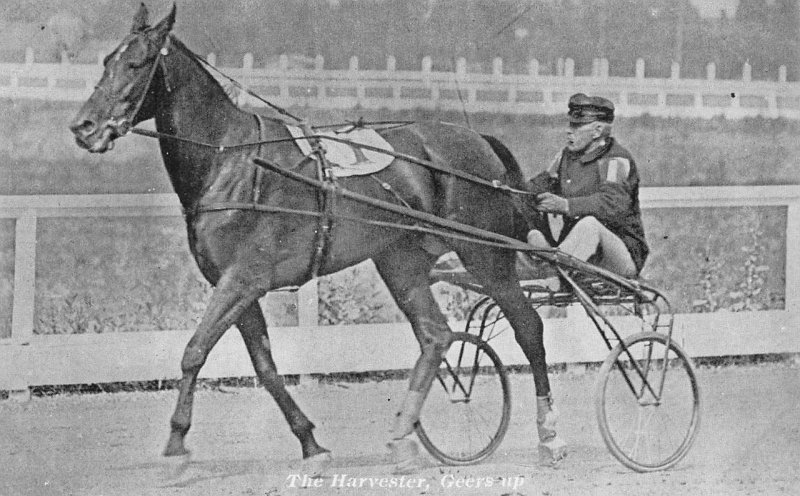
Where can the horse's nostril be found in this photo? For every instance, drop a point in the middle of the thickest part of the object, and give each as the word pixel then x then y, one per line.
pixel 84 127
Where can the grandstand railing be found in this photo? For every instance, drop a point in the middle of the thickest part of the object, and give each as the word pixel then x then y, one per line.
pixel 460 90
pixel 28 359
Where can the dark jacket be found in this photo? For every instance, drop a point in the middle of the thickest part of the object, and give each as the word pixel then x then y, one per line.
pixel 604 184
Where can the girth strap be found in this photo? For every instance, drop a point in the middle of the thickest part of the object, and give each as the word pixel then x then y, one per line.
pixel 258 178
pixel 326 201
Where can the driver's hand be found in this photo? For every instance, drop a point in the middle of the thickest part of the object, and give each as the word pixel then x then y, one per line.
pixel 554 204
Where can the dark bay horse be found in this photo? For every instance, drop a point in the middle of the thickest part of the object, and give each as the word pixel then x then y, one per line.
pixel 245 254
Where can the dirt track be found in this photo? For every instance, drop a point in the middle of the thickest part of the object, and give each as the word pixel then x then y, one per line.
pixel 749 443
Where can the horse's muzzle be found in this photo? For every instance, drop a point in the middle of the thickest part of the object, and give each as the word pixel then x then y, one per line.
pixel 93 139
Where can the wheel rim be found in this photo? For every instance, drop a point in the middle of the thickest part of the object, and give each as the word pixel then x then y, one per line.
pixel 655 430
pixel 466 415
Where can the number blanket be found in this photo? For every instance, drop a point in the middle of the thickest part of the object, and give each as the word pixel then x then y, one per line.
pixel 347 159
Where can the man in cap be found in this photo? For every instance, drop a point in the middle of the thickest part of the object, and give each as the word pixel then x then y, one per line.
pixel 589 196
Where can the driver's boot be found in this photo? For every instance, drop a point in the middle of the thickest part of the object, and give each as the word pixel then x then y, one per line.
pixel 552 449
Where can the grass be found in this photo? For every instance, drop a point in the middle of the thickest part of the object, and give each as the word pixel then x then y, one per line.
pixel 40 157
pixel 120 275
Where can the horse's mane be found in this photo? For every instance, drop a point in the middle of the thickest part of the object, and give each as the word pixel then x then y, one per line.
pixel 202 65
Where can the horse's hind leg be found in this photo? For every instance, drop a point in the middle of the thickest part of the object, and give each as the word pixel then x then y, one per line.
pixel 405 272
pixel 253 328
pixel 495 271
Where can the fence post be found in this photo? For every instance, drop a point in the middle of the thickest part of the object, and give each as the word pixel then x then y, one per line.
pixel 792 289
pixel 461 68
pixel 675 71
pixel 308 304
pixel 569 68
pixel 604 68
pixel 711 71
pixel 533 68
pixel 22 313
pixel 640 68
pixel 427 65
pixel 497 67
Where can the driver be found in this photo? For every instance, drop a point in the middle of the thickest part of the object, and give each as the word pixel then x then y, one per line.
pixel 590 194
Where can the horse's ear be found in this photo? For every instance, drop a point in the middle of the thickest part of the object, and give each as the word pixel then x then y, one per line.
pixel 165 25
pixel 140 19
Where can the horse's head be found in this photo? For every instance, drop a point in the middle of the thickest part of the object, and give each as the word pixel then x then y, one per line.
pixel 119 99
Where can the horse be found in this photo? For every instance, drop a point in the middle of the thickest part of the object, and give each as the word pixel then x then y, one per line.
pixel 244 253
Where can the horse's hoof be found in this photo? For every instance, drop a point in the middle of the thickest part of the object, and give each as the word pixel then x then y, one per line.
pixel 405 456
pixel 552 452
pixel 175 468
pixel 317 465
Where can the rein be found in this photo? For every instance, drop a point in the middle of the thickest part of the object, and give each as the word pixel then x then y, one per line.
pixel 496 185
pixel 449 228
pixel 254 207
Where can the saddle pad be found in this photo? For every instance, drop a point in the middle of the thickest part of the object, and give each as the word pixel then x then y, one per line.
pixel 346 159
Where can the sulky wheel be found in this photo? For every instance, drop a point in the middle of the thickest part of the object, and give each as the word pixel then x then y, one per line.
pixel 648 425
pixel 467 410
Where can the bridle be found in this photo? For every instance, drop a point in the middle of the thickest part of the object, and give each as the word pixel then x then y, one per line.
pixel 123 124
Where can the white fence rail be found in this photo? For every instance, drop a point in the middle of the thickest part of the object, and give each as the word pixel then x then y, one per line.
pixel 530 93
pixel 28 359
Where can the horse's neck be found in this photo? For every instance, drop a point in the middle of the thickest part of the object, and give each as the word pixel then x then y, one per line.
pixel 192 105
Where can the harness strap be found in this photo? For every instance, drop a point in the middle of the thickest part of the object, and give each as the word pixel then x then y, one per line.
pixel 326 201
pixel 257 180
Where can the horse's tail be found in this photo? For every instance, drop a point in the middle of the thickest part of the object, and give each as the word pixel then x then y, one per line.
pixel 515 179
pixel 513 172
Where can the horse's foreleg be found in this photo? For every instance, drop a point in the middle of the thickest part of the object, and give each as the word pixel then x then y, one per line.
pixel 253 328
pixel 406 276
pixel 229 299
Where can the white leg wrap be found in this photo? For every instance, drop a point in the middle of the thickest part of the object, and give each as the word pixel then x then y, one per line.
pixel 405 456
pixel 408 414
pixel 552 449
